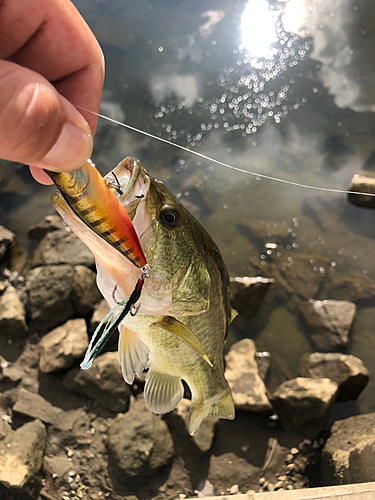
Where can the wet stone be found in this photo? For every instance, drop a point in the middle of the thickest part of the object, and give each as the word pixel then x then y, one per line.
pixel 139 445
pixel 362 183
pixel 6 239
pixel 353 286
pixel 347 371
pixel 49 291
pixel 261 232
pixel 103 382
pixel 304 404
pixel 62 247
pixel 63 345
pixel 330 322
pixel 347 456
pixel 47 225
pixel 248 389
pixel 247 294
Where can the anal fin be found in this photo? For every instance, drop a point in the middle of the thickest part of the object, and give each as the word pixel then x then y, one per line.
pixel 221 406
pixel 162 392
pixel 133 354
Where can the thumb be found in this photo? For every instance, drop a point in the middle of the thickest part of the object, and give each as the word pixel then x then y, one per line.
pixel 38 126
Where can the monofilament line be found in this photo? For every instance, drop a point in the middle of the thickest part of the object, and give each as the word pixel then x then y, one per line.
pixel 226 165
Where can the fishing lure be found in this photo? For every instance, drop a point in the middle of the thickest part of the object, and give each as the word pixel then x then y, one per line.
pixel 113 319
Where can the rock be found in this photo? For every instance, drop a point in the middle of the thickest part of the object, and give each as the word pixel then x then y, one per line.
pixel 21 458
pixel 248 389
pixel 322 212
pixel 85 292
pixel 49 290
pixel 201 442
pixel 362 183
pixel 304 404
pixel 330 322
pixel 58 466
pixel 103 382
pixel 101 310
pixel 263 360
pixel 24 371
pixel 261 232
pixel 139 445
pixel 47 225
pixel 34 405
pixel 347 371
pixel 62 247
pixel 63 345
pixel 6 239
pixel 353 286
pixel 347 456
pixel 12 316
pixel 247 294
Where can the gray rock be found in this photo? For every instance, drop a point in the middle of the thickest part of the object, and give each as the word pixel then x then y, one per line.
pixel 21 458
pixel 12 315
pixel 304 404
pixel 34 405
pixel 103 382
pixel 248 389
pixel 6 239
pixel 24 372
pixel 362 183
pixel 62 247
pixel 352 286
pixel 330 322
pixel 63 345
pixel 101 310
pixel 58 466
pixel 348 455
pixel 263 360
pixel 86 294
pixel 139 445
pixel 47 225
pixel 247 294
pixel 347 371
pixel 49 291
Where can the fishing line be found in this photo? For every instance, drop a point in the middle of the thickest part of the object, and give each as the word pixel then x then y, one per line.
pixel 237 169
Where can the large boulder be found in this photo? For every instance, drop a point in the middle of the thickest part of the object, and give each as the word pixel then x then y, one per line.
pixel 348 455
pixel 21 458
pixel 49 291
pixel 139 445
pixel 330 322
pixel 62 247
pixel 347 371
pixel 63 345
pixel 103 382
pixel 248 389
pixel 304 404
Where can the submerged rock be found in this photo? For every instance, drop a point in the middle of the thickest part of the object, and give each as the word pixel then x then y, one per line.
pixel 6 239
pixel 21 458
pixel 348 455
pixel 362 183
pixel 304 404
pixel 248 389
pixel 49 290
pixel 103 382
pixel 63 345
pixel 247 294
pixel 352 286
pixel 62 247
pixel 263 231
pixel 139 444
pixel 330 322
pixel 347 371
pixel 47 225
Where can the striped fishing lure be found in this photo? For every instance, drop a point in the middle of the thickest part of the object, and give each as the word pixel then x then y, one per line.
pixel 92 201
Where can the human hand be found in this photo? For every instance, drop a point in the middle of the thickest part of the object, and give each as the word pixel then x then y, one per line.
pixel 50 62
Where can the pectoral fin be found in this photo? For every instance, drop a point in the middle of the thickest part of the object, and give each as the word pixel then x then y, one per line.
pixel 184 333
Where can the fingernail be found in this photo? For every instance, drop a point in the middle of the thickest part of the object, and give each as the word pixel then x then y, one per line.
pixel 72 149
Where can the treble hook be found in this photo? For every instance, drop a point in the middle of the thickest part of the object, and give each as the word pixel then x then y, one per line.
pixel 114 185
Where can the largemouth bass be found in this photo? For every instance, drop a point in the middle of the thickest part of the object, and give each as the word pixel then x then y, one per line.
pixel 183 319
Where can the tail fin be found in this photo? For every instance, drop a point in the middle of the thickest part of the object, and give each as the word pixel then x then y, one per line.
pixel 221 406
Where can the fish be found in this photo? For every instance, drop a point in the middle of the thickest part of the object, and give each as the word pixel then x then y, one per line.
pixel 90 197
pixel 184 312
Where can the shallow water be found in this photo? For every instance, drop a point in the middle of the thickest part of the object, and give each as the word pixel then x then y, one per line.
pixel 279 88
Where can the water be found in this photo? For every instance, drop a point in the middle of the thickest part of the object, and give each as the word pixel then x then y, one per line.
pixel 280 88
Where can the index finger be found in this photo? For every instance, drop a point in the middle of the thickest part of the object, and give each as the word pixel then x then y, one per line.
pixel 51 38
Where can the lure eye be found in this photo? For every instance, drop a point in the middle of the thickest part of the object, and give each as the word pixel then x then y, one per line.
pixel 169 217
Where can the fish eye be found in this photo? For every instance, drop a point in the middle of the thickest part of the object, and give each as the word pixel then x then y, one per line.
pixel 169 216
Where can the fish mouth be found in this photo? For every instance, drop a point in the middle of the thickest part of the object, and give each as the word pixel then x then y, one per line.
pixel 129 183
